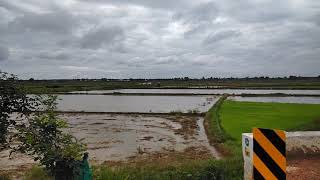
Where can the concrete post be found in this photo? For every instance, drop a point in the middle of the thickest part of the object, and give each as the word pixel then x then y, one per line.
pixel 298 144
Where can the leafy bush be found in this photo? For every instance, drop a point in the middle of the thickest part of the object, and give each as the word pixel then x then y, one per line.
pixel 44 140
pixel 12 100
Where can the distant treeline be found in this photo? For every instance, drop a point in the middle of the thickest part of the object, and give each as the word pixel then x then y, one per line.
pixel 315 78
pixel 263 82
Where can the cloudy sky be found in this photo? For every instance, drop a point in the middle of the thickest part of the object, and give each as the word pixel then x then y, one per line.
pixel 159 38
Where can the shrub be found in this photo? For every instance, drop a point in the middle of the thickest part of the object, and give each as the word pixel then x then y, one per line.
pixel 12 100
pixel 44 140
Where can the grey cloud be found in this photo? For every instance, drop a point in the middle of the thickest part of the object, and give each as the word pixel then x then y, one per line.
pixel 102 36
pixel 4 53
pixel 146 38
pixel 219 36
pixel 316 19
pixel 163 4
pixel 56 22
pixel 12 7
pixel 202 13
pixel 198 19
pixel 53 55
pixel 168 60
pixel 257 11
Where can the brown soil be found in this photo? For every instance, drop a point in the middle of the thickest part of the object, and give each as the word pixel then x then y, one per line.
pixel 168 140
pixel 167 157
pixel 189 126
pixel 220 147
pixel 307 168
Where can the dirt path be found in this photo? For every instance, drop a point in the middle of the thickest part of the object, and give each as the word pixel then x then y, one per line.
pixel 304 168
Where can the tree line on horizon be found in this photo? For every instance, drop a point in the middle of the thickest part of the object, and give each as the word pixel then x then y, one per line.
pixel 185 78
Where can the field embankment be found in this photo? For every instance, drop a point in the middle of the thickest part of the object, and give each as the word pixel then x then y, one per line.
pixel 214 130
pixel 191 94
pixel 51 86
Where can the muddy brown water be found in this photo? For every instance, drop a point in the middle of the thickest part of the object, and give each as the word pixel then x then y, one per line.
pixel 121 137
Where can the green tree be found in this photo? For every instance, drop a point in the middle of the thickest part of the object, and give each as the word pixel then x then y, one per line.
pixel 13 102
pixel 59 152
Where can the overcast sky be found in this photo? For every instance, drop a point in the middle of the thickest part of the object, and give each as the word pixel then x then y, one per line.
pixel 159 38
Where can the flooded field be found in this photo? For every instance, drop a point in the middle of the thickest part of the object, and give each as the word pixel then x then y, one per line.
pixel 129 137
pixel 206 91
pixel 154 104
pixel 117 138
pixel 300 100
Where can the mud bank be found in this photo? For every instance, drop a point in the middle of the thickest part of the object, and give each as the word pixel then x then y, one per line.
pixel 120 138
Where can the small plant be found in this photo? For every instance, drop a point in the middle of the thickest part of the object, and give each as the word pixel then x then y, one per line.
pixel 12 100
pixel 193 111
pixel 44 140
pixel 175 112
pixel 4 176
pixel 37 173
pixel 140 150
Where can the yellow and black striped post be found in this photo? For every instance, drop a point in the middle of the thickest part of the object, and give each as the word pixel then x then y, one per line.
pixel 269 154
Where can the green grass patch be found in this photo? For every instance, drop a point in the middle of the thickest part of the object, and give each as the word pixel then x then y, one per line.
pixel 192 170
pixel 240 117
pixel 204 169
pixel 215 132
pixel 37 173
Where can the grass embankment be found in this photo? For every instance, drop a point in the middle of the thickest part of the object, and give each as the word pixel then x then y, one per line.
pixel 189 170
pixel 240 117
pixel 214 130
pixel 217 135
pixel 174 169
pixel 53 86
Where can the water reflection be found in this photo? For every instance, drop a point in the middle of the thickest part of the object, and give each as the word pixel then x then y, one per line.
pixel 155 104
pixel 301 100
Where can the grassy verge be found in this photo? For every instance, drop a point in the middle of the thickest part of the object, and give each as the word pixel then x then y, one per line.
pixel 184 170
pixel 240 117
pixel 218 136
pixel 214 130
pixel 203 169
pixel 37 173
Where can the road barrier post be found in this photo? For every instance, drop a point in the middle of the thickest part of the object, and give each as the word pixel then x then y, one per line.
pixel 264 153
